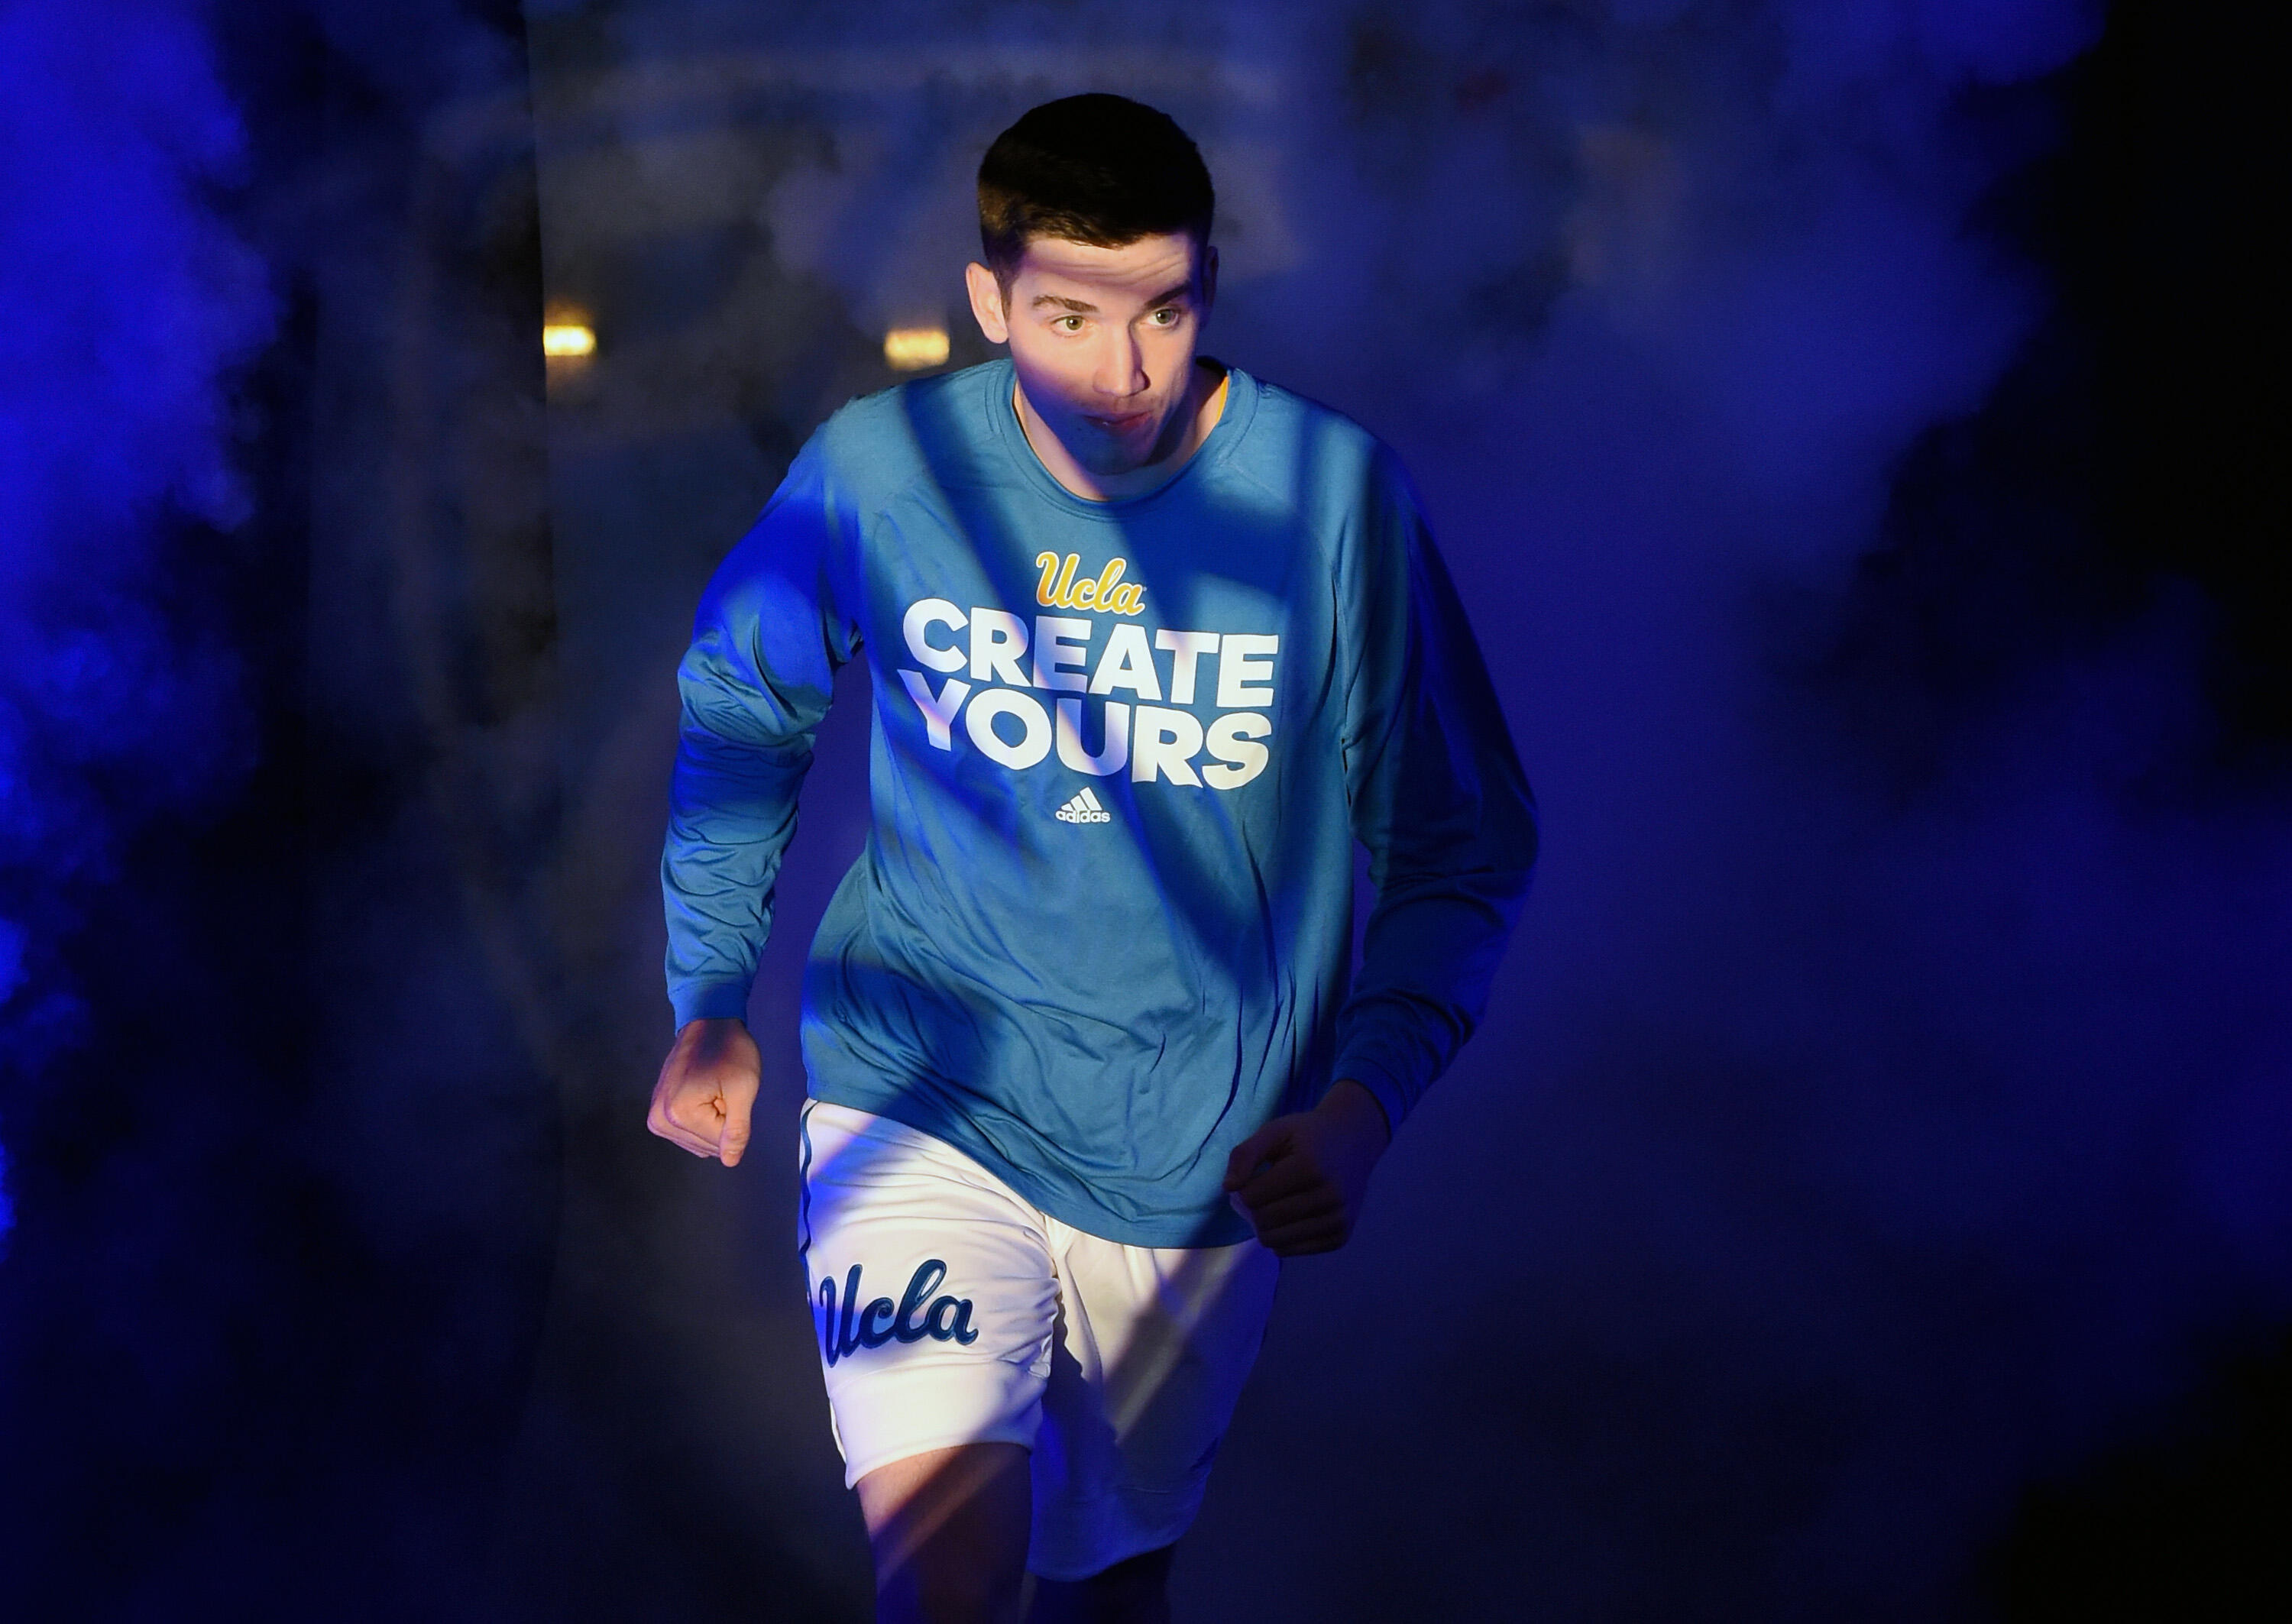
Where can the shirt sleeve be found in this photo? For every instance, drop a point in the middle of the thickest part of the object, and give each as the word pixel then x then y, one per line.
pixel 1438 799
pixel 767 642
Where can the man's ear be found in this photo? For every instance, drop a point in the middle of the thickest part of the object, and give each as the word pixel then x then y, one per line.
pixel 1209 279
pixel 987 302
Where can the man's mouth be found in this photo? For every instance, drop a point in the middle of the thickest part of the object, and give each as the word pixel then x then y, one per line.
pixel 1123 423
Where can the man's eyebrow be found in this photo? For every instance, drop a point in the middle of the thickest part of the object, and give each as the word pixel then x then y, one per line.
pixel 1169 295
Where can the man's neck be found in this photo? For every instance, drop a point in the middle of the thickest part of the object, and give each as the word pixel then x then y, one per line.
pixel 1203 405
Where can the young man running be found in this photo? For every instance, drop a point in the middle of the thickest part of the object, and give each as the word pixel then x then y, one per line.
pixel 1153 643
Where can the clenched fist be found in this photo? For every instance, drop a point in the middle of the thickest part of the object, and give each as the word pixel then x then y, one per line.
pixel 1300 1179
pixel 706 1087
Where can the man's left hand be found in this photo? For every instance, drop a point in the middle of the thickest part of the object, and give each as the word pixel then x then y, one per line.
pixel 1300 1179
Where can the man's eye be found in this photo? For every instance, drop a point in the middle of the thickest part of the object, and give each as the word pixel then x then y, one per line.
pixel 1069 323
pixel 1167 316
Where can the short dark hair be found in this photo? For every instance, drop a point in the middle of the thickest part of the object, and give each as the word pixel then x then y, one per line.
pixel 1097 169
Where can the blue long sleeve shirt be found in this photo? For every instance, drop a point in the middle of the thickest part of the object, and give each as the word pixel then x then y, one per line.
pixel 1102 927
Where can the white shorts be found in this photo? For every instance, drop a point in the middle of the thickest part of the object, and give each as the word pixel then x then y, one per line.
pixel 951 1310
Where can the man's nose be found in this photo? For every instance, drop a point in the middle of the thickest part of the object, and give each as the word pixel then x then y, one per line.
pixel 1121 370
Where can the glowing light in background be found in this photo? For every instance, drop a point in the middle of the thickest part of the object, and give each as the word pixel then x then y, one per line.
pixel 913 349
pixel 566 340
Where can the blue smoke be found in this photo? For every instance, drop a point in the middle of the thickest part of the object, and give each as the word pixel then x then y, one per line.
pixel 129 307
pixel 274 778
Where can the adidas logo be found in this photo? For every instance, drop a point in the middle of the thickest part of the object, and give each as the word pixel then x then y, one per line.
pixel 1084 808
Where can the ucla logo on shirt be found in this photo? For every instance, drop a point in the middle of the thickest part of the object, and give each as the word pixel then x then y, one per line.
pixel 947 1319
pixel 994 664
pixel 1060 589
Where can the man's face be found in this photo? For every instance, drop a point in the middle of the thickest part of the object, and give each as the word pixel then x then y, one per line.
pixel 1103 339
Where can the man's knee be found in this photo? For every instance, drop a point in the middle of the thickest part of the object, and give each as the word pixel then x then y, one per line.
pixel 948 1532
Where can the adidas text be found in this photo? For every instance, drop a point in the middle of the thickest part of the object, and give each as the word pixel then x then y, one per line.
pixel 1084 808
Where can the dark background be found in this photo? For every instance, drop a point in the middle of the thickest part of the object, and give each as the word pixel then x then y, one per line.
pixel 1859 431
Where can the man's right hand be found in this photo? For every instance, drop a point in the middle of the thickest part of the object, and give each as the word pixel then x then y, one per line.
pixel 706 1087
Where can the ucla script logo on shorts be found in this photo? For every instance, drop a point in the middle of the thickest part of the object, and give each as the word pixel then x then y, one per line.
pixel 947 1319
